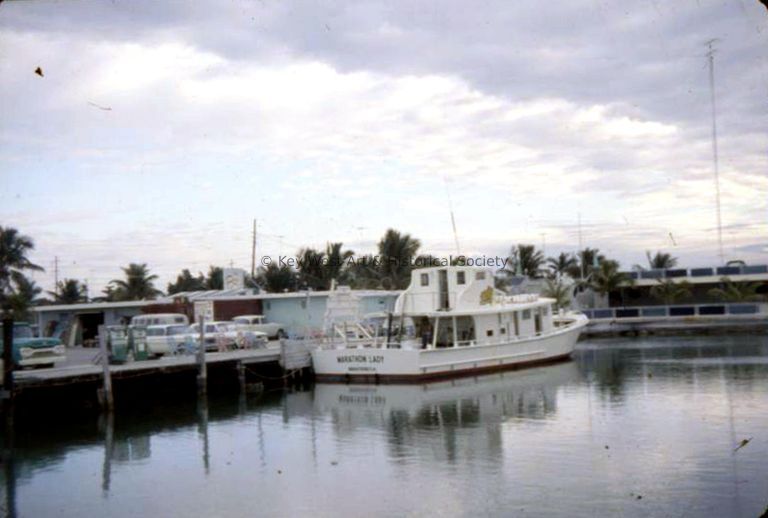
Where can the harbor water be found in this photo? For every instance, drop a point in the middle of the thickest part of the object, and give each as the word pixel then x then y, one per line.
pixel 674 426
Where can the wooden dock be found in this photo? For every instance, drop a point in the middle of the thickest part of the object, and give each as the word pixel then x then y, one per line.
pixel 77 373
pixel 279 363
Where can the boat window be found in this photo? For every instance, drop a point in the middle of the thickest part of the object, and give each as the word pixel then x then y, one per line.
pixel 545 310
pixel 460 278
pixel 489 332
pixel 502 331
pixel 155 331
pixel 303 304
pixel 425 279
pixel 479 276
pixel 526 314
pixel 465 329
pixel 268 305
pixel 178 320
pixel 517 324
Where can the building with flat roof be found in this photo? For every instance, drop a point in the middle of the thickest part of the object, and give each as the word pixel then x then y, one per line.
pixel 300 312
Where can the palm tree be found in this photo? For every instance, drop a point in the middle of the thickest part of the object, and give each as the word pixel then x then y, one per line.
pixel 25 294
pixel 69 291
pixel 669 291
pixel 215 278
pixel 14 248
pixel 277 279
pixel 336 261
pixel 607 277
pixel 138 284
pixel 559 291
pixel 311 269
pixel 730 291
pixel 396 253
pixel 525 260
pixel 562 264
pixel 660 261
pixel 185 281
pixel 588 260
pixel 363 272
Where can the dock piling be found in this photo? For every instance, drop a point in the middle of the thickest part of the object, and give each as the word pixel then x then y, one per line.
pixel 7 391
pixel 202 372
pixel 105 398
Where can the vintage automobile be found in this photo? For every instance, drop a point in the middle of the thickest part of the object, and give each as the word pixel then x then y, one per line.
pixel 165 339
pixel 32 351
pixel 221 336
pixel 258 323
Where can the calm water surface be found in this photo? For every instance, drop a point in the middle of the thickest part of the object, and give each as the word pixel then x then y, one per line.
pixel 643 427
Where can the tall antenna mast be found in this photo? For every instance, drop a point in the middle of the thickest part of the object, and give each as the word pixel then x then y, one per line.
pixel 581 249
pixel 711 62
pixel 253 251
pixel 453 220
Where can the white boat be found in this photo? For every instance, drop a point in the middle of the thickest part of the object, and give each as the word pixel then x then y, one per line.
pixel 450 321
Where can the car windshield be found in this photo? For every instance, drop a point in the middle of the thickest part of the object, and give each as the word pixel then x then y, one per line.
pixel 178 330
pixel 22 332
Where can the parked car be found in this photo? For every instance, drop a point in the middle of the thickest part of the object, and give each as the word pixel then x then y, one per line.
pixel 227 335
pixel 32 351
pixel 259 324
pixel 160 319
pixel 165 339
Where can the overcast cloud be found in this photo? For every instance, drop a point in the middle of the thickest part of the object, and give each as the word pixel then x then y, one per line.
pixel 160 129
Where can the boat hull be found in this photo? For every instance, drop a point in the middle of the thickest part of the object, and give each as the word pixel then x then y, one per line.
pixel 374 365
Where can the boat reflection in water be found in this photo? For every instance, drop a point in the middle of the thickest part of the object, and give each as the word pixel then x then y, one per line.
pixel 530 393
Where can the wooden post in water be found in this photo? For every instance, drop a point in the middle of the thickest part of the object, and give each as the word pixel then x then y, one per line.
pixel 106 400
pixel 6 394
pixel 202 371
pixel 241 376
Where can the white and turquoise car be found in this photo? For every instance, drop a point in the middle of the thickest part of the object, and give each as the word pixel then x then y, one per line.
pixel 32 351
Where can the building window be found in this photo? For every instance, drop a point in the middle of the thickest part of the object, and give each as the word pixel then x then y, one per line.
pixel 425 279
pixel 526 314
pixel 489 332
pixel 460 278
pixel 479 276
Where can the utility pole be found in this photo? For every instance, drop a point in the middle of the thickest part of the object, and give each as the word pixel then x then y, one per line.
pixel 253 251
pixel 711 62
pixel 56 274
pixel 581 249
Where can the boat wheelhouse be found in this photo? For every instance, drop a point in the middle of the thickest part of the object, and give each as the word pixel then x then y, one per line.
pixel 450 321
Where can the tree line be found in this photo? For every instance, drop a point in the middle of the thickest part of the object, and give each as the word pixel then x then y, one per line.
pixel 398 254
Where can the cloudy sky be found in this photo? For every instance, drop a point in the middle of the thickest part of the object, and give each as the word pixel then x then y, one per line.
pixel 159 130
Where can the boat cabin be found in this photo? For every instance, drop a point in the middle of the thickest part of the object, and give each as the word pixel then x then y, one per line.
pixel 458 306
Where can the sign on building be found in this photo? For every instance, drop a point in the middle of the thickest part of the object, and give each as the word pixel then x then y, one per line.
pixel 234 278
pixel 204 308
